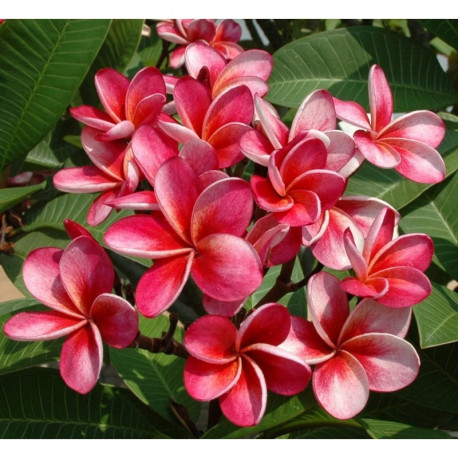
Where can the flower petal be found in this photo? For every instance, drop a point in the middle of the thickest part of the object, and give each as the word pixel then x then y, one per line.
pixel 85 179
pixel 377 152
pixel 380 98
pixel 199 55
pixel 226 267
pixel 225 308
pixel 81 359
pixel 162 283
pixel 380 234
pixel 86 272
pixel 266 196
pixel 352 113
pixel 92 117
pixel 200 155
pixel 116 320
pixel 48 325
pixel 341 150
pixel 211 339
pixel 274 129
pixel 112 88
pixel 305 210
pixel 99 209
pixel 341 386
pixel 356 258
pixel 245 403
pixel 255 146
pixel 205 381
pixel 390 362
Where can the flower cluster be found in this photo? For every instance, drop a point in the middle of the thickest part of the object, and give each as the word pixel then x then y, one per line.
pixel 219 190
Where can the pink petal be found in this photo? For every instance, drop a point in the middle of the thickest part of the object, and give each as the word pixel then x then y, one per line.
pixel 256 85
pixel 112 88
pixel 200 155
pixel 49 325
pixel 407 286
pixel 81 359
pixel 226 142
pixel 269 324
pixel 352 113
pixel 422 126
pixel 234 105
pixel 212 176
pixel 380 234
pixel 141 200
pixel 116 320
pixel 145 236
pixel 285 373
pixel 287 249
pixel 328 306
pixel 304 342
pixel 177 187
pixel 212 214
pixel 224 308
pixel 380 99
pixel 357 260
pixel 42 278
pixel 377 152
pixel 419 162
pixel 253 63
pixel 85 179
pixel 341 386
pixel 86 272
pixel 201 29
pixel 161 284
pixel 92 117
pixel 340 151
pixel 199 55
pixel 273 127
pixel 245 403
pixel 255 146
pixel 151 150
pixel 374 287
pixel 211 339
pixel 73 229
pixel 177 57
pixel 228 30
pixel 100 209
pixel 169 33
pixel 146 82
pixel 413 250
pixel 123 129
pixel 176 131
pixel 266 196
pixel 370 316
pixel 306 209
pixel 226 267
pixel 192 100
pixel 149 109
pixel 228 49
pixel 390 362
pixel 316 112
pixel 205 381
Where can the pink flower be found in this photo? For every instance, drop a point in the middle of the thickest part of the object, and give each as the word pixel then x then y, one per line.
pixel 406 144
pixel 114 174
pixel 220 122
pixel 390 271
pixel 353 352
pixel 76 285
pixel 299 188
pixel 196 234
pixel 238 366
pixel 222 37
pixel 127 104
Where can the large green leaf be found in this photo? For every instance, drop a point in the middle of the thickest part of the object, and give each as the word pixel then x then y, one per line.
pixel 9 197
pixel 390 186
pixel 339 61
pixel 155 378
pixel 437 317
pixel 42 64
pixel 434 213
pixel 20 355
pixel 445 29
pixel 36 404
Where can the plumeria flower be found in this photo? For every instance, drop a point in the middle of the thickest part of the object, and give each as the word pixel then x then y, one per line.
pixel 353 352
pixel 196 233
pixel 316 113
pixel 390 271
pixel 220 122
pixel 406 144
pixel 127 104
pixel 114 174
pixel 222 37
pixel 238 366
pixel 76 285
pixel 325 237
pixel 298 187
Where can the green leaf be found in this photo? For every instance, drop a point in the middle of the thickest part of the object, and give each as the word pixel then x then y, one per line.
pixel 434 213
pixel 437 317
pixel 36 404
pixel 339 61
pixel 150 48
pixel 42 157
pixel 42 64
pixel 155 378
pixel 445 29
pixel 390 186
pixel 9 197
pixel 20 355
pixel 381 429
pixel 279 411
